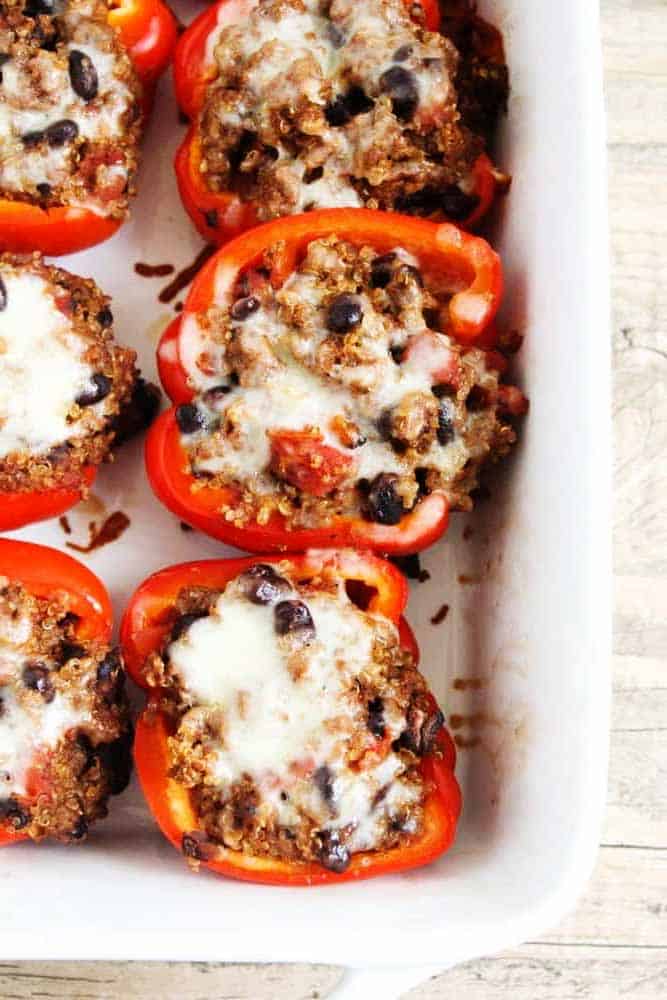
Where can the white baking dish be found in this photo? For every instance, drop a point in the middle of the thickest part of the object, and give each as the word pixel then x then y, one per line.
pixel 533 631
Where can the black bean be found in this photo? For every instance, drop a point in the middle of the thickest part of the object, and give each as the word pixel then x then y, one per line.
pixel 383 504
pixel 422 477
pixel 83 75
pixel 382 269
pixel 190 418
pixel 337 112
pixel 44 190
pixel 13 812
pixel 456 204
pixel 2 708
pixel 310 176
pixel 105 317
pixel 400 55
pixel 324 779
pixel 3 295
pixel 401 86
pixel 344 107
pixel 425 201
pixel 100 389
pixel 446 427
pixel 477 399
pixel 34 8
pixel 116 761
pixel 79 830
pixel 138 413
pixel 332 854
pixel 32 138
pixel 70 651
pixel 397 353
pixel 358 101
pixel 36 677
pixel 262 585
pixel 108 669
pixel 184 623
pixel 61 132
pixel 385 425
pixel 376 717
pixel 245 307
pixel 344 314
pixel 246 142
pixel 294 617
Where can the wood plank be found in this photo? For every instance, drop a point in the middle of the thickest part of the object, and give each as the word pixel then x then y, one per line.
pixel 634 37
pixel 624 903
pixel 165 981
pixel 640 693
pixel 542 972
pixel 636 811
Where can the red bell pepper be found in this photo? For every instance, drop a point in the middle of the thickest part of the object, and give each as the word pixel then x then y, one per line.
pixel 45 572
pixel 147 29
pixel 476 275
pixel 219 216
pixel 19 509
pixel 145 625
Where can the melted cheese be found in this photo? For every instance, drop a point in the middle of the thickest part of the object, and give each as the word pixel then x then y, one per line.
pixel 302 55
pixel 276 725
pixel 41 368
pixel 26 108
pixel 282 390
pixel 26 726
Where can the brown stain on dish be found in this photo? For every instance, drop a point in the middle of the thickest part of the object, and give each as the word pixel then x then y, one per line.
pixel 476 720
pixel 185 526
pixel 185 276
pixel 178 307
pixel 469 579
pixel 468 683
pixel 440 615
pixel 467 742
pixel 154 270
pixel 111 529
pixel 468 532
pixel 65 525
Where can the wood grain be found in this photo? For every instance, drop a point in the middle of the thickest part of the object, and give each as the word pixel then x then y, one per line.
pixel 615 944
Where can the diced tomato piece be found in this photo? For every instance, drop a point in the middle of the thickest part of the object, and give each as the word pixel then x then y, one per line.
pixel 302 459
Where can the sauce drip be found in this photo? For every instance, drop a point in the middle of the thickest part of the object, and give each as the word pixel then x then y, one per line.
pixel 110 529
pixel 154 270
pixel 185 276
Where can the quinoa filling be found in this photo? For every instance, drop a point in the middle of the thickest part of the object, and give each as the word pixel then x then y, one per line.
pixel 64 724
pixel 298 720
pixel 63 379
pixel 338 394
pixel 318 105
pixel 70 114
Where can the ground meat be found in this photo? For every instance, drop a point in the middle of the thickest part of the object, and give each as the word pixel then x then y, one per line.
pixel 341 393
pixel 52 428
pixel 346 776
pixel 70 111
pixel 343 104
pixel 64 725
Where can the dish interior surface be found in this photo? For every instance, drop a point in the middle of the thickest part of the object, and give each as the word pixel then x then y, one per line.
pixel 520 662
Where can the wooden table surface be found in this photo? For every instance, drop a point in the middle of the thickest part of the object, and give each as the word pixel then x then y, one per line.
pixel 615 944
